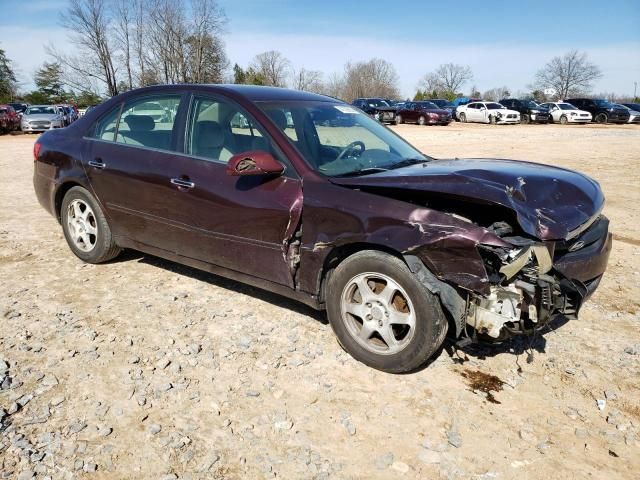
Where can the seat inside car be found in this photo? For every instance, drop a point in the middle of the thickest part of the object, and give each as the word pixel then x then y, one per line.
pixel 210 141
pixel 141 132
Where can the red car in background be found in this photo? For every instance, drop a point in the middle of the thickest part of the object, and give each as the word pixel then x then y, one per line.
pixel 9 119
pixel 423 113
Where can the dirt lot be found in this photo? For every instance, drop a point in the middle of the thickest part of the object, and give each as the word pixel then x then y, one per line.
pixel 145 369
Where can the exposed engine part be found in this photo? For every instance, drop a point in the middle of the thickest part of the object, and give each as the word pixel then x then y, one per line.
pixel 524 257
pixel 489 314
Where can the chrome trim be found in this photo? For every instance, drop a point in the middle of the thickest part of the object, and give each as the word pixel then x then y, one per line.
pixel 182 183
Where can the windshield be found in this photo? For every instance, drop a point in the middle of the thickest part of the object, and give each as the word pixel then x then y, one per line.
pixel 376 102
pixel 430 105
pixel 566 106
pixel 337 139
pixel 3 110
pixel 494 106
pixel 602 103
pixel 531 104
pixel 41 110
pixel 443 103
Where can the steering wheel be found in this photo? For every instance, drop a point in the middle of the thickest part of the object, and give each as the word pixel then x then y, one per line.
pixel 351 147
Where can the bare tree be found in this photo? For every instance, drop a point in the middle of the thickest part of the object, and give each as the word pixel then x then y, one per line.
pixel 273 67
pixel 495 94
pixel 309 80
pixel 447 78
pixel 90 23
pixel 206 49
pixel 571 74
pixel 334 86
pixel 374 78
pixel 124 19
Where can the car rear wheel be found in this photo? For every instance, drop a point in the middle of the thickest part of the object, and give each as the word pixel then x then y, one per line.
pixel 85 227
pixel 564 120
pixel 382 315
pixel 399 119
pixel 463 118
pixel 602 118
pixel 421 120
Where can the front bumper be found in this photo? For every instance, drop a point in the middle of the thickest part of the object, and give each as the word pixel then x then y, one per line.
pixel 40 128
pixel 539 117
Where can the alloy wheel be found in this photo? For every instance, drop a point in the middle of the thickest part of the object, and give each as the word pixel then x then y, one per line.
pixel 82 225
pixel 378 313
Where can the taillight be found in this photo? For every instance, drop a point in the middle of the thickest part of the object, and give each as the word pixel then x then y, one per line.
pixel 36 151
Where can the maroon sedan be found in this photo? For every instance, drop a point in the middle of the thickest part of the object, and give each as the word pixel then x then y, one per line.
pixel 9 119
pixel 273 188
pixel 423 113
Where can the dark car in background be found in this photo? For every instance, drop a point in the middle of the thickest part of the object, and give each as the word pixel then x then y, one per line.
pixel 601 110
pixel 530 111
pixel 381 109
pixel 399 248
pixel 9 119
pixel 422 113
pixel 19 107
pixel 633 106
pixel 445 105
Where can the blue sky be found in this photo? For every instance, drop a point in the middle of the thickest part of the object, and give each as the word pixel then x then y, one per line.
pixel 504 42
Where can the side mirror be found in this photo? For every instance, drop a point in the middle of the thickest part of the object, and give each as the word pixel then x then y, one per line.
pixel 255 162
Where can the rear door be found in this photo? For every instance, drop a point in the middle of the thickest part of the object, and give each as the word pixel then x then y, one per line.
pixel 127 159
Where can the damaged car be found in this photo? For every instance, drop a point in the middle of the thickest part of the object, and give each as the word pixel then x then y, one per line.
pixel 400 249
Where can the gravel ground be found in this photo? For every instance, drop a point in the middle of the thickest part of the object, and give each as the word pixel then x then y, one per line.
pixel 143 368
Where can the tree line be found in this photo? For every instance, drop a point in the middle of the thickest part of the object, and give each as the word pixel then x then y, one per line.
pixel 125 44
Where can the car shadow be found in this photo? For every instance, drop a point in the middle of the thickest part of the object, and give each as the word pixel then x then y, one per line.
pixel 222 282
pixel 517 346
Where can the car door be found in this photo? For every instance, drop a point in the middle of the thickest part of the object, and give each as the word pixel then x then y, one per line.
pixel 127 157
pixel 472 112
pixel 239 223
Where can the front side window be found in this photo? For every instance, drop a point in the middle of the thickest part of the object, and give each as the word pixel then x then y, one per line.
pixel 494 106
pixel 336 139
pixel 218 130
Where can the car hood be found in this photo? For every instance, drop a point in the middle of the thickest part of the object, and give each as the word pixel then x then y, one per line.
pixel 550 203
pixel 439 111
pixel 40 116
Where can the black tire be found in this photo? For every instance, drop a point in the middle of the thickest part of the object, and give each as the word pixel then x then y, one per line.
pixel 564 120
pixel 430 324
pixel 463 117
pixel 525 118
pixel 399 120
pixel 105 248
pixel 602 118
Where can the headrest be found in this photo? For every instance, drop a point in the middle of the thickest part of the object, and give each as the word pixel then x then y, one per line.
pixel 140 123
pixel 279 118
pixel 209 134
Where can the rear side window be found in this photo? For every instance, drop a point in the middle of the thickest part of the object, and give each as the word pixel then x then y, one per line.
pixel 148 122
pixel 105 128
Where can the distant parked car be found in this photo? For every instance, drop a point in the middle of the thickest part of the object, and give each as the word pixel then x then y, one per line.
pixel 423 113
pixel 632 106
pixel 487 112
pixel 529 110
pixel 601 110
pixel 379 108
pixel 445 105
pixel 19 108
pixel 634 114
pixel 564 113
pixel 38 118
pixel 9 119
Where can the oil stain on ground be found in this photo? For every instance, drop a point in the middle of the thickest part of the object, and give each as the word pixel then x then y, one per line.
pixel 483 382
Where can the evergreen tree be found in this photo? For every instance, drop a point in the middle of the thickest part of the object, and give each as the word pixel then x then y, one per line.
pixel 7 78
pixel 49 82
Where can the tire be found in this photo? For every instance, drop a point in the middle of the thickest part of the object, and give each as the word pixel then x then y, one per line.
pixel 399 120
pixel 78 225
pixel 564 120
pixel 492 119
pixel 524 118
pixel 602 118
pixel 421 120
pixel 412 343
pixel 463 117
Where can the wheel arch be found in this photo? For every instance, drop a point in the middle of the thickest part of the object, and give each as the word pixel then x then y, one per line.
pixel 61 191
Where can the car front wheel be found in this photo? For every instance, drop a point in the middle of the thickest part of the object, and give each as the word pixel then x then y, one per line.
pixel 382 315
pixel 564 120
pixel 463 117
pixel 399 119
pixel 85 227
pixel 602 118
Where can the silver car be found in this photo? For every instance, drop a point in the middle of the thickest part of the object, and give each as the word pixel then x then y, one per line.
pixel 38 118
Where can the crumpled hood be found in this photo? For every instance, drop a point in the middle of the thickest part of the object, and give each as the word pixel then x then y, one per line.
pixel 549 202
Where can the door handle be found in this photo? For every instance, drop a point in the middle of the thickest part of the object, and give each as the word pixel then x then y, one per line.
pixel 182 183
pixel 97 163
